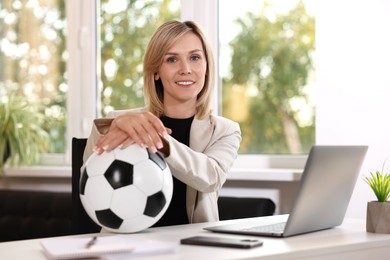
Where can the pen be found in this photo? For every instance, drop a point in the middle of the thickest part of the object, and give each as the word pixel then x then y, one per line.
pixel 91 242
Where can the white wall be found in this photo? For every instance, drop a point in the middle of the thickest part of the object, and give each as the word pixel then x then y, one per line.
pixel 353 77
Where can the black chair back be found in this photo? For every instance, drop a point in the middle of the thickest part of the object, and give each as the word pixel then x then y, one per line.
pixel 81 222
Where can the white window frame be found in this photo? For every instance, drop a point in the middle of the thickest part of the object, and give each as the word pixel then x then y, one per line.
pixel 82 47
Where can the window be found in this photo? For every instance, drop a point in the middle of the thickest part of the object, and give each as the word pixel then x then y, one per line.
pixel 266 69
pixel 33 61
pixel 88 63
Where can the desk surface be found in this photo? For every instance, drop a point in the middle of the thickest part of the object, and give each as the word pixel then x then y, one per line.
pixel 348 241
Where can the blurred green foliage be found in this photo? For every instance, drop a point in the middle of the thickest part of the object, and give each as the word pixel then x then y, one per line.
pixel 271 64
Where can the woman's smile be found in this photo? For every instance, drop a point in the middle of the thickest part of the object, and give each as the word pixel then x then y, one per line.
pixel 187 83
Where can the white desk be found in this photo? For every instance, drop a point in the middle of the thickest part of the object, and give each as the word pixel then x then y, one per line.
pixel 348 241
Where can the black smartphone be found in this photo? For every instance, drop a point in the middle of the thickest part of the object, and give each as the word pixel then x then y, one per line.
pixel 221 241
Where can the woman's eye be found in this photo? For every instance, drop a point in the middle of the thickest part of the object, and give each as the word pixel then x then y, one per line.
pixel 195 57
pixel 171 59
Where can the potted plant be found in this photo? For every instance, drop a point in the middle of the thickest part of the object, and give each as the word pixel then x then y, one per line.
pixel 378 212
pixel 22 137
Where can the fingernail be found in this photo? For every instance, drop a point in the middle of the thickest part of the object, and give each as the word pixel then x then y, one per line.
pixel 97 150
pixel 159 145
pixel 105 148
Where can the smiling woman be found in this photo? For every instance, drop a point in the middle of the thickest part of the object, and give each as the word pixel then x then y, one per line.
pixel 199 147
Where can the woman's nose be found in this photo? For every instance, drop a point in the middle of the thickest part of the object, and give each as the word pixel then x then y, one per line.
pixel 185 68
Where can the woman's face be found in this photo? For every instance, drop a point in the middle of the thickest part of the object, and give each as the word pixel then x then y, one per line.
pixel 183 70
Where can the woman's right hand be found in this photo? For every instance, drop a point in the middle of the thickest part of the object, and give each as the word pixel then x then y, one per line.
pixel 142 128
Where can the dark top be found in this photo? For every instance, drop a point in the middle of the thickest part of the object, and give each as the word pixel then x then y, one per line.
pixel 176 213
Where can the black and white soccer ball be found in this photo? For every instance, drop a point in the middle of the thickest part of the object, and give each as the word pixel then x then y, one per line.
pixel 126 190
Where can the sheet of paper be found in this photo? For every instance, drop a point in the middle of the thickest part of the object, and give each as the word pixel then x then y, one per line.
pixel 107 246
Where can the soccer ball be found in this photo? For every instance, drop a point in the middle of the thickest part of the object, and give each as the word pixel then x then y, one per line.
pixel 126 190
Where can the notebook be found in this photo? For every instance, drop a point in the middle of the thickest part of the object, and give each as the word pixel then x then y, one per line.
pixel 111 246
pixel 326 186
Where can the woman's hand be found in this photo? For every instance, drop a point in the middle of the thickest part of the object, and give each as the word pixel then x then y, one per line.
pixel 142 128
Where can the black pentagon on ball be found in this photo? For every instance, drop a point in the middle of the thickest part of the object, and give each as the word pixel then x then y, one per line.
pixel 108 218
pixel 83 181
pixel 158 159
pixel 119 174
pixel 154 204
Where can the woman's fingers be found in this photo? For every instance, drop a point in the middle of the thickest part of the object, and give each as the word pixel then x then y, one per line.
pixel 142 128
pixel 126 143
pixel 111 140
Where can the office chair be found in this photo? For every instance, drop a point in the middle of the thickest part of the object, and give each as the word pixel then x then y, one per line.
pixel 81 222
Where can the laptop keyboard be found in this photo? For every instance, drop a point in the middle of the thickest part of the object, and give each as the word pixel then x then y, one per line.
pixel 277 227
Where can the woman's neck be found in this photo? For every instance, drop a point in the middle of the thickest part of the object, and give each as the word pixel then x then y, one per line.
pixel 179 110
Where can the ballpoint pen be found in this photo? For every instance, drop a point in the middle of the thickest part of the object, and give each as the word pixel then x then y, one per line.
pixel 91 242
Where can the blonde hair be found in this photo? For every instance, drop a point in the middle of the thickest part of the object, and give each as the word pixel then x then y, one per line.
pixel 162 40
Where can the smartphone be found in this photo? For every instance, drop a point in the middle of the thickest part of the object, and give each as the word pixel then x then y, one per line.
pixel 221 242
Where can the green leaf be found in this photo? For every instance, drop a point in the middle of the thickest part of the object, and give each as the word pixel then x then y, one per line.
pixel 22 127
pixel 380 184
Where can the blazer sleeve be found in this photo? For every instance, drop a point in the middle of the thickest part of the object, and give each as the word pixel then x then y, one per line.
pixel 205 166
pixel 100 127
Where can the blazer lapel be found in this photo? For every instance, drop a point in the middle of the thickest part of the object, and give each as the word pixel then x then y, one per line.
pixel 200 133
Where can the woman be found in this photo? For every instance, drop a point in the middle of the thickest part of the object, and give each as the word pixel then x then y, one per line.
pixel 199 147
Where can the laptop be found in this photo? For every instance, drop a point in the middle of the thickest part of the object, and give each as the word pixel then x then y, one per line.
pixel 326 187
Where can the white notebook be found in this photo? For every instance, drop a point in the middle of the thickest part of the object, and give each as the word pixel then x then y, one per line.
pixel 118 245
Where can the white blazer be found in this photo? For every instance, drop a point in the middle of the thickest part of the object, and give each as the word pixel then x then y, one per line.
pixel 203 166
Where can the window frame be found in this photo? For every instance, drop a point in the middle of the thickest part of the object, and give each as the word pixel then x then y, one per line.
pixel 82 70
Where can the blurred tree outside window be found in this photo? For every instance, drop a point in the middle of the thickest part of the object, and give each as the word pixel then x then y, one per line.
pixel 33 60
pixel 267 72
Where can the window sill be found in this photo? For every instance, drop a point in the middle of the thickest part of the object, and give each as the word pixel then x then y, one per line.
pixel 39 172
pixel 236 174
pixel 245 168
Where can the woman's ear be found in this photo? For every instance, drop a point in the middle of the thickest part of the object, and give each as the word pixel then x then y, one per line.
pixel 156 76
